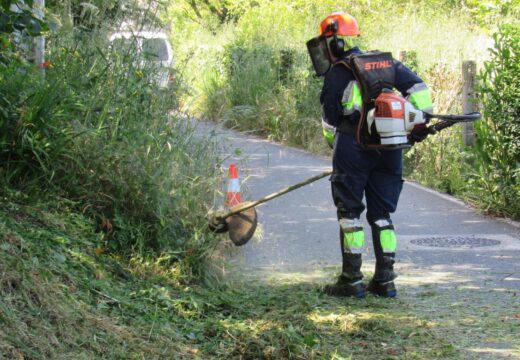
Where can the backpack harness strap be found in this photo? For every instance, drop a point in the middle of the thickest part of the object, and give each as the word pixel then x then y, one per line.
pixel 374 71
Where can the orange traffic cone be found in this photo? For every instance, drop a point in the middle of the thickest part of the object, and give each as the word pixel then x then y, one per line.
pixel 233 191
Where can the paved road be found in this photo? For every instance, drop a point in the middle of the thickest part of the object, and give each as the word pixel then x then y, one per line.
pixel 442 244
pixel 299 232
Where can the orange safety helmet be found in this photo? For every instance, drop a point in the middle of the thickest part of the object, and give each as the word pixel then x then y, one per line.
pixel 346 25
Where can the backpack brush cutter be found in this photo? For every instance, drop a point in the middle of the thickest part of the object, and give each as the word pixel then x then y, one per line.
pixel 393 118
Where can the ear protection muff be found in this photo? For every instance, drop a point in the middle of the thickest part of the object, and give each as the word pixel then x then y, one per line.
pixel 336 45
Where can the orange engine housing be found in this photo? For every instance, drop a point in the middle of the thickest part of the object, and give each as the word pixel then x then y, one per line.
pixel 389 105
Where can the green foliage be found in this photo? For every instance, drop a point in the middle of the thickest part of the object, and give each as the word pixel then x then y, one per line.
pixel 492 13
pixel 21 18
pixel 268 83
pixel 251 73
pixel 97 131
pixel 487 174
pixel 498 135
pixel 61 296
pixel 220 11
pixel 440 161
pixel 254 74
pixel 19 22
pixel 96 14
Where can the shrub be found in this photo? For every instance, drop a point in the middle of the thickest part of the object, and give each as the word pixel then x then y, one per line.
pixel 498 134
pixel 440 161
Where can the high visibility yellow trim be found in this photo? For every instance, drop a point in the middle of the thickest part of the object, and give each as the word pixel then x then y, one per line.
pixel 388 240
pixel 421 99
pixel 354 241
pixel 329 136
pixel 354 99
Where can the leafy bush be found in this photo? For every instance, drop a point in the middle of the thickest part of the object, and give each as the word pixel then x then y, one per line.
pixel 20 17
pixel 498 135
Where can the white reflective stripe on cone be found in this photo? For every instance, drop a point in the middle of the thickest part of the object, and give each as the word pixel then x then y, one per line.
pixel 234 185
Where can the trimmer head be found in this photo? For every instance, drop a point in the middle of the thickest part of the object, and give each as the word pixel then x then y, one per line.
pixel 241 226
pixel 241 220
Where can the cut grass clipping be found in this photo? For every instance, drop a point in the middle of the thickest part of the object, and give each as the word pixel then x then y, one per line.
pixel 61 298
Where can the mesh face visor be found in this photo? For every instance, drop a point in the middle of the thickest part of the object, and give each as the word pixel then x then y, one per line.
pixel 319 54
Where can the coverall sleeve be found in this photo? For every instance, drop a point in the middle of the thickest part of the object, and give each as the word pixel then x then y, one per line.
pixel 334 85
pixel 412 86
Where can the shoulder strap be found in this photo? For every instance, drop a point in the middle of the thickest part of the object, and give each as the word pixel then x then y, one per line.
pixel 374 71
pixel 343 62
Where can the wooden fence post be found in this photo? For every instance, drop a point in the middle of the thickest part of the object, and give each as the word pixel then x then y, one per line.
pixel 469 69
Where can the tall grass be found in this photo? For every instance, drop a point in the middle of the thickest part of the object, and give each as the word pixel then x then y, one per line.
pixel 99 132
pixel 440 161
pixel 261 64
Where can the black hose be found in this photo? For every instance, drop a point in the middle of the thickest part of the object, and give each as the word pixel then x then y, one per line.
pixel 455 118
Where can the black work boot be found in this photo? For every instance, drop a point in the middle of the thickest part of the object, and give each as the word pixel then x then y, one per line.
pixel 350 282
pixel 384 289
pixel 382 284
pixel 346 287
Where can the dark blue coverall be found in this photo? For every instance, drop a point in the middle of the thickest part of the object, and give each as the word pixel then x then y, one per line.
pixel 356 172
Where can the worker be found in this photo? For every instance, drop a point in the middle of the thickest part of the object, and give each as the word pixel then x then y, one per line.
pixel 357 170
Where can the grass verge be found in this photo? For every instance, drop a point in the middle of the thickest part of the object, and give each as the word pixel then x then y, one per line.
pixel 62 297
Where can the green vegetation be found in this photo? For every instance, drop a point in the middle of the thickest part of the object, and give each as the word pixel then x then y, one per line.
pixel 498 144
pixel 249 70
pixel 104 251
pixel 98 132
pixel 61 298
pixel 488 173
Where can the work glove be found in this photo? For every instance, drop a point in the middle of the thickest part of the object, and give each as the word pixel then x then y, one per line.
pixel 418 134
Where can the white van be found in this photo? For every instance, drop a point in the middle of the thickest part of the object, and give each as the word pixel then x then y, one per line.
pixel 151 47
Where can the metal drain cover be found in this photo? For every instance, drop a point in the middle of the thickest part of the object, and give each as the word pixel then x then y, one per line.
pixel 455 242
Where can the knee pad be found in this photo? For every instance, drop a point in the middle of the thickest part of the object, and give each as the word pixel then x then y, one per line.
pixel 353 235
pixel 383 231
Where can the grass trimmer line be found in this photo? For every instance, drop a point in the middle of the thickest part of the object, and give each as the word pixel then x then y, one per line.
pixel 241 220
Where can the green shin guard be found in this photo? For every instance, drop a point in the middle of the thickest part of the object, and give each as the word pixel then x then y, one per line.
pixel 352 239
pixel 352 236
pixel 349 283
